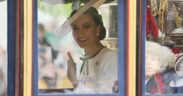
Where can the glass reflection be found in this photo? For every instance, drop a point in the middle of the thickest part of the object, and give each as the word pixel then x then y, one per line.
pixel 53 56
pixel 164 47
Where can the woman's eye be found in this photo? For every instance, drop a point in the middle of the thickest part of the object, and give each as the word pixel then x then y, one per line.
pixel 87 26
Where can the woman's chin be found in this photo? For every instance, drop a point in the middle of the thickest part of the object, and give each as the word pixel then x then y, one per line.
pixel 82 45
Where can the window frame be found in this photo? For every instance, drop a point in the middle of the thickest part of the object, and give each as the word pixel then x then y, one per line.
pixel 15 31
pixel 11 46
pixel 121 47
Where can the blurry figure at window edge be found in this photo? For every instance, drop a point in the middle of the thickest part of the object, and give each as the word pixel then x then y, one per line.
pixel 177 83
pixel 3 72
pixel 160 62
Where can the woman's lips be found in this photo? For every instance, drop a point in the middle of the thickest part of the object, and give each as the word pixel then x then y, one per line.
pixel 83 39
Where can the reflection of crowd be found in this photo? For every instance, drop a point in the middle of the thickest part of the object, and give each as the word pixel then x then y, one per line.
pixel 164 70
pixel 3 72
pixel 52 72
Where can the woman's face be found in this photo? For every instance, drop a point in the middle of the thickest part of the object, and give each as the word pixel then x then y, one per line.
pixel 85 31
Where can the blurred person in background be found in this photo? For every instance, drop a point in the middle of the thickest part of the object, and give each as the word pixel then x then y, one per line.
pixel 47 72
pixel 159 68
pixel 52 70
pixel 177 83
pixel 43 40
pixel 48 78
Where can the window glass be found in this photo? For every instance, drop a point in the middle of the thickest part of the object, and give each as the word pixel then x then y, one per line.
pixel 77 55
pixel 164 40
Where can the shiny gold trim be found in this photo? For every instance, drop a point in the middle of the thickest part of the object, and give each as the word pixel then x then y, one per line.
pixel 28 47
pixel 132 48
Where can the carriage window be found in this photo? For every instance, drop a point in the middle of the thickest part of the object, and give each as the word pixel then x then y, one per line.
pixel 77 46
pixel 164 47
pixel 3 47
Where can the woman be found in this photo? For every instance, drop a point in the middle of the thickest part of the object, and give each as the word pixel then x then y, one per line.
pixel 99 69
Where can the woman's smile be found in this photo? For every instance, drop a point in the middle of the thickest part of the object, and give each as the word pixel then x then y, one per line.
pixel 83 39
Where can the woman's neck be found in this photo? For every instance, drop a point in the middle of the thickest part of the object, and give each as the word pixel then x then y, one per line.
pixel 92 50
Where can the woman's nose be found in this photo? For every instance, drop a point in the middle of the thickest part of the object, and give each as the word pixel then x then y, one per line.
pixel 81 31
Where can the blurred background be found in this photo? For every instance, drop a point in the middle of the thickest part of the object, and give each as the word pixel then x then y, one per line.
pixel 3 47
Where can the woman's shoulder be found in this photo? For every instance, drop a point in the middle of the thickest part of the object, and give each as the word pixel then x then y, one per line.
pixel 110 52
pixel 108 55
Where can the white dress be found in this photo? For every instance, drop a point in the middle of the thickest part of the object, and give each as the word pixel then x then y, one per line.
pixel 99 74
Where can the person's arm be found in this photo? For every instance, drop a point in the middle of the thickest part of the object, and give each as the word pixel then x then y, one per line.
pixel 71 72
